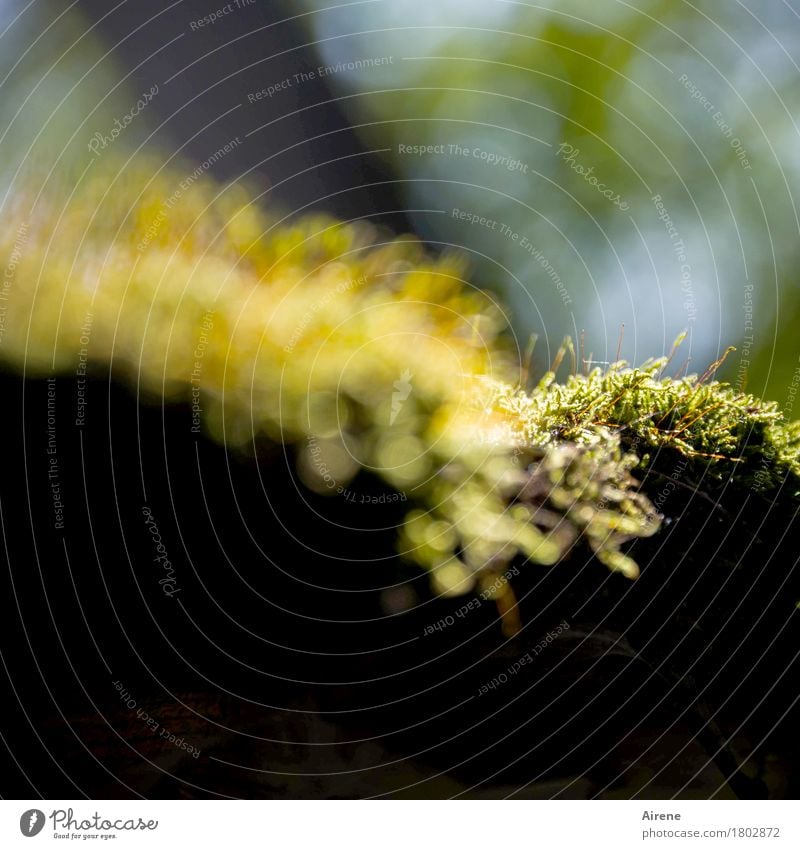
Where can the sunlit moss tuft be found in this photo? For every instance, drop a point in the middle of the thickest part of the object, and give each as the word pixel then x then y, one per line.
pixel 706 420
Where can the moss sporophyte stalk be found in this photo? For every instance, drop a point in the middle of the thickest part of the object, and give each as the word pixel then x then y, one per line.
pixel 368 354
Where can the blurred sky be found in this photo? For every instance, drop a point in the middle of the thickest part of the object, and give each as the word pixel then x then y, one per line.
pixel 684 113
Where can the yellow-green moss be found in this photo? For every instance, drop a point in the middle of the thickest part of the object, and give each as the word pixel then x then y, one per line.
pixel 366 353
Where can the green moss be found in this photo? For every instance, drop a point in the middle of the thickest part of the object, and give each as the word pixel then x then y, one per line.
pixel 564 458
pixel 728 431
pixel 368 354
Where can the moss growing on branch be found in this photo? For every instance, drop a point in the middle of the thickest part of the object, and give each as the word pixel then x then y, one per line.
pixel 367 354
